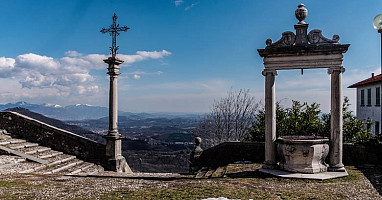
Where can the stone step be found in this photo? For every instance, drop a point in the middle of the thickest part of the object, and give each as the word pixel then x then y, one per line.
pixel 80 168
pixel 91 170
pixel 201 174
pixel 50 154
pixel 12 141
pixel 36 150
pixel 21 154
pixel 49 165
pixel 219 172
pixel 209 173
pixel 21 145
pixel 64 166
pixel 60 159
pixel 46 160
pixel 4 137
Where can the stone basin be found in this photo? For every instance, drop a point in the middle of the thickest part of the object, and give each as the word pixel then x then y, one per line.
pixel 303 154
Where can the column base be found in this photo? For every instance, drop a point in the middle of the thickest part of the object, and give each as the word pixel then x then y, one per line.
pixel 118 164
pixel 336 169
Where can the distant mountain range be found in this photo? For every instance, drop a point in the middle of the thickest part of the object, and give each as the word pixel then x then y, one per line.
pixel 84 111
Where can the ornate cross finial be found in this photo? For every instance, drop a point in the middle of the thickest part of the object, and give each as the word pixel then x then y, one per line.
pixel 113 30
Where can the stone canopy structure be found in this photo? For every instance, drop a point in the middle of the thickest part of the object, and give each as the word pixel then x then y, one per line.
pixel 303 50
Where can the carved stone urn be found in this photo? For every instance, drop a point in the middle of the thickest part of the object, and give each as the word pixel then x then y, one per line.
pixel 303 154
pixel 301 13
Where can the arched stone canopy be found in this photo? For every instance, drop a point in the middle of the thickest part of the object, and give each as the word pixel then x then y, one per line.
pixel 303 50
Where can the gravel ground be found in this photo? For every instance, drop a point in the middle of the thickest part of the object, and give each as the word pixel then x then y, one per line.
pixel 363 183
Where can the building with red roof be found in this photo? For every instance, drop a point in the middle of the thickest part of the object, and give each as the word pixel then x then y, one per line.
pixel 369 101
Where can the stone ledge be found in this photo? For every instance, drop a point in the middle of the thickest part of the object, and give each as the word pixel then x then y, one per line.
pixel 319 176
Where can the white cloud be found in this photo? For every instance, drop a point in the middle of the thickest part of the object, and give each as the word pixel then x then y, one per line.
pixel 6 66
pixel 178 2
pixel 191 6
pixel 136 76
pixel 73 53
pixel 142 55
pixel 36 62
pixel 95 61
pixel 6 63
pixel 31 76
pixel 145 73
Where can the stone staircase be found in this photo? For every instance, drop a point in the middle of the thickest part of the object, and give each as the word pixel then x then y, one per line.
pixel 211 172
pixel 46 160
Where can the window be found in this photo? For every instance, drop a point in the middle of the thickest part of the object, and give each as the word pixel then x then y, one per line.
pixel 368 96
pixel 377 127
pixel 378 96
pixel 362 97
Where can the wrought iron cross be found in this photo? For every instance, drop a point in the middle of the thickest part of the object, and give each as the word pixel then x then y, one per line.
pixel 113 30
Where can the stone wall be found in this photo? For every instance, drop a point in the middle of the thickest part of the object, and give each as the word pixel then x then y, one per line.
pixel 50 136
pixel 230 152
pixel 356 154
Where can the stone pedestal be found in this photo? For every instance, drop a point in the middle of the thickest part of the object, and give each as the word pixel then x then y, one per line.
pixel 270 119
pixel 336 122
pixel 115 161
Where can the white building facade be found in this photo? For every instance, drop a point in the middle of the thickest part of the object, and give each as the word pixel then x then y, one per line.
pixel 369 101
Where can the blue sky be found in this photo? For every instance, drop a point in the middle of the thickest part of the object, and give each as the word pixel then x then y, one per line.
pixel 179 56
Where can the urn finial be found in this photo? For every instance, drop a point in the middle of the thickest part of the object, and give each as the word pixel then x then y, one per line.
pixel 301 13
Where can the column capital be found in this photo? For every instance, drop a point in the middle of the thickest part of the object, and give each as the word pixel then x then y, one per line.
pixel 266 71
pixel 332 69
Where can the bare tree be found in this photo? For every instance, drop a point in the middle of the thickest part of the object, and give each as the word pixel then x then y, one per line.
pixel 230 119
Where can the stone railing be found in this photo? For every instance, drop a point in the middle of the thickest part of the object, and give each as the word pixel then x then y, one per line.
pixel 50 136
pixel 230 152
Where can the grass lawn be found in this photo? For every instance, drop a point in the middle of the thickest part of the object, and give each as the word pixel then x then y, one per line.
pixel 257 186
pixel 240 182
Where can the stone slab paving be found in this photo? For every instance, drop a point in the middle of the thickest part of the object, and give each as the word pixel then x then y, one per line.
pixel 318 176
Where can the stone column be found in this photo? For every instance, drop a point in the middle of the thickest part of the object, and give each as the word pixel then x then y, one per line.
pixel 270 119
pixel 115 161
pixel 336 135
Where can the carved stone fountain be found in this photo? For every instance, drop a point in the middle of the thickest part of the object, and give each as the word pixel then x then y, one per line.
pixel 305 154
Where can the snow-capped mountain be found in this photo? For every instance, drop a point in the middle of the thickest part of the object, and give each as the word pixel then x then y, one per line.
pixel 71 112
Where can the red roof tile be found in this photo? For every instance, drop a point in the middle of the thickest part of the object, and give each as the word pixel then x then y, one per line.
pixel 377 78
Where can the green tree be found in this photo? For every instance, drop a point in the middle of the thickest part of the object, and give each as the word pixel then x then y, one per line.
pixel 305 119
pixel 354 129
pixel 300 119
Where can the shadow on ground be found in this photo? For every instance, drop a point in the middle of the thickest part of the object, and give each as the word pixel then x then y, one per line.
pixel 374 174
pixel 248 174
